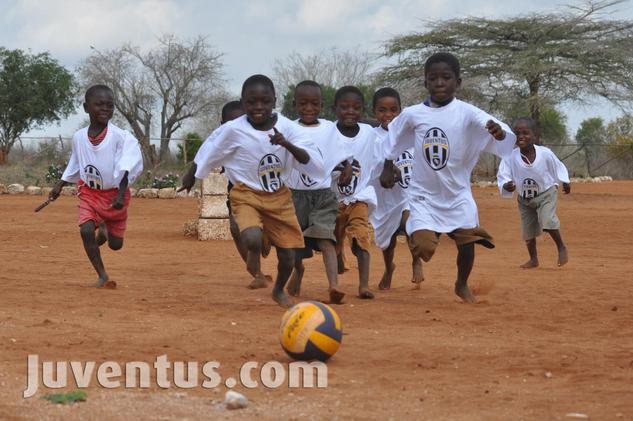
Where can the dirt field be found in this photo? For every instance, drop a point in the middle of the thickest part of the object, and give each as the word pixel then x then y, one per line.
pixel 540 344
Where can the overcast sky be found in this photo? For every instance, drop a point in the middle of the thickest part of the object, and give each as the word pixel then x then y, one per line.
pixel 250 34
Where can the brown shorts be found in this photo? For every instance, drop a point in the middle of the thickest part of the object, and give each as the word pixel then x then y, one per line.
pixel 274 213
pixel 424 242
pixel 353 219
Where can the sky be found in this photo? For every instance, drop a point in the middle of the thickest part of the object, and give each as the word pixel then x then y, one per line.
pixel 251 34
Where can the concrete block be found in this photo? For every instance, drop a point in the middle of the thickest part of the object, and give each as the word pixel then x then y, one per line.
pixel 214 184
pixel 167 193
pixel 213 229
pixel 213 207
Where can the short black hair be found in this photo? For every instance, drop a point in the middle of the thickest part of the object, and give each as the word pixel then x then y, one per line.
pixel 385 92
pixel 96 88
pixel 447 58
pixel 341 92
pixel 229 107
pixel 309 83
pixel 528 122
pixel 258 80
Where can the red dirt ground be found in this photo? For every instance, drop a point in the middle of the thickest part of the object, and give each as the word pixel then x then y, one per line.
pixel 406 355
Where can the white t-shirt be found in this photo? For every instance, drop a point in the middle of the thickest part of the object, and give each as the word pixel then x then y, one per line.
pixel 531 179
pixel 325 138
pixel 390 202
pixel 248 156
pixel 447 142
pixel 362 147
pixel 102 167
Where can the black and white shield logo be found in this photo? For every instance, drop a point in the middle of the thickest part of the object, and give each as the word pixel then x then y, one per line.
pixel 93 177
pixel 269 171
pixel 306 180
pixel 529 189
pixel 405 165
pixel 351 187
pixel 436 148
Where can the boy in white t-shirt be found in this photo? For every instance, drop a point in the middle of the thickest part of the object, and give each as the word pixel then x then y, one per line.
pixel 447 135
pixel 358 198
pixel 258 151
pixel 104 160
pixel 314 200
pixel 392 210
pixel 535 172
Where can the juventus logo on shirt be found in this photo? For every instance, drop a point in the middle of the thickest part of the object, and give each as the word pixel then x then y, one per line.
pixel 436 148
pixel 93 177
pixel 530 189
pixel 306 180
pixel 405 164
pixel 351 187
pixel 269 170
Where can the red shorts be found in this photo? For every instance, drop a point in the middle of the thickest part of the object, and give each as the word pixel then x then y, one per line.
pixel 96 205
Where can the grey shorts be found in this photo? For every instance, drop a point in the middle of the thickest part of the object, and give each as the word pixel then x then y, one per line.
pixel 539 213
pixel 316 212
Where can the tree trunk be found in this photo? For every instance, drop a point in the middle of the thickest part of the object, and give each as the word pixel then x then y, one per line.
pixel 3 157
pixel 535 108
pixel 164 152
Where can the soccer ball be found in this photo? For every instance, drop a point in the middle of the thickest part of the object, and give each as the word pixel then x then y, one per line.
pixel 310 331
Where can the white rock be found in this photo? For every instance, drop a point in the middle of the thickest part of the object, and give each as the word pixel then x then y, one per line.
pixel 34 190
pixel 214 184
pixel 3 189
pixel 15 188
pixel 182 193
pixel 167 193
pixel 69 191
pixel 234 400
pixel 213 229
pixel 548 374
pixel 578 415
pixel 213 207
pixel 133 192
pixel 148 193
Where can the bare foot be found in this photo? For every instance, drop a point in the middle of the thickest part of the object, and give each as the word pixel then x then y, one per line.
pixel 385 282
pixel 562 256
pixel 294 284
pixel 269 279
pixel 282 299
pixel 530 264
pixel 365 293
pixel 341 264
pixel 418 274
pixel 105 283
pixel 102 234
pixel 416 285
pixel 336 296
pixel 258 282
pixel 464 293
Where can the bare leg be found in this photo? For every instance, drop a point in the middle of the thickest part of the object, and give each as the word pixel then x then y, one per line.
pixel 363 271
pixel 294 285
pixel 252 240
pixel 235 233
pixel 562 250
pixel 330 261
pixel 418 274
pixel 533 262
pixel 390 267
pixel 102 234
pixel 465 261
pixel 286 259
pixel 87 231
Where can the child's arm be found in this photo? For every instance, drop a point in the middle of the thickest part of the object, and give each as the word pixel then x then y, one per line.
pixel 119 200
pixel 189 179
pixel 213 152
pixel 298 153
pixel 345 169
pixel 560 172
pixel 71 174
pixel 504 179
pixel 129 160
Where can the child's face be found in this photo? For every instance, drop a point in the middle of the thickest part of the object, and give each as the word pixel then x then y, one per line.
pixel 308 103
pixel 441 82
pixel 258 102
pixel 232 115
pixel 349 110
pixel 387 108
pixel 525 137
pixel 100 106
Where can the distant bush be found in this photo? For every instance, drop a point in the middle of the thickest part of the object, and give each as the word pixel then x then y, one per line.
pixel 164 181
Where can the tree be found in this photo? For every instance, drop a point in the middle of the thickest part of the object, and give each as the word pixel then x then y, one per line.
pixel 187 151
pixel 327 93
pixel 590 135
pixel 329 67
pixel 573 55
pixel 175 81
pixel 620 141
pixel 34 90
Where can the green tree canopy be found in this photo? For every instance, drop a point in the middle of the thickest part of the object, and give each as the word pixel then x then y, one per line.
pixel 34 90
pixel 573 55
pixel 620 141
pixel 590 135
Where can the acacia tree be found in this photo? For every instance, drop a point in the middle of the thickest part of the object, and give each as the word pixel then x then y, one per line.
pixel 590 135
pixel 34 90
pixel 572 55
pixel 174 81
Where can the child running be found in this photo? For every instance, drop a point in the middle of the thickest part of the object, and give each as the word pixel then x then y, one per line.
pixel 103 161
pixel 314 200
pixel 536 172
pixel 357 199
pixel 392 210
pixel 258 150
pixel 447 136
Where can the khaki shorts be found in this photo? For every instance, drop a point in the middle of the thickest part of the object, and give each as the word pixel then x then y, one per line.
pixel 539 213
pixel 424 242
pixel 352 219
pixel 274 213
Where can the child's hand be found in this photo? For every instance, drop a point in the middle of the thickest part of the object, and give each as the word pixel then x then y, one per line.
pixel 509 186
pixel 278 138
pixel 566 188
pixel 495 130
pixel 346 175
pixel 387 177
pixel 118 201
pixel 55 192
pixel 188 180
